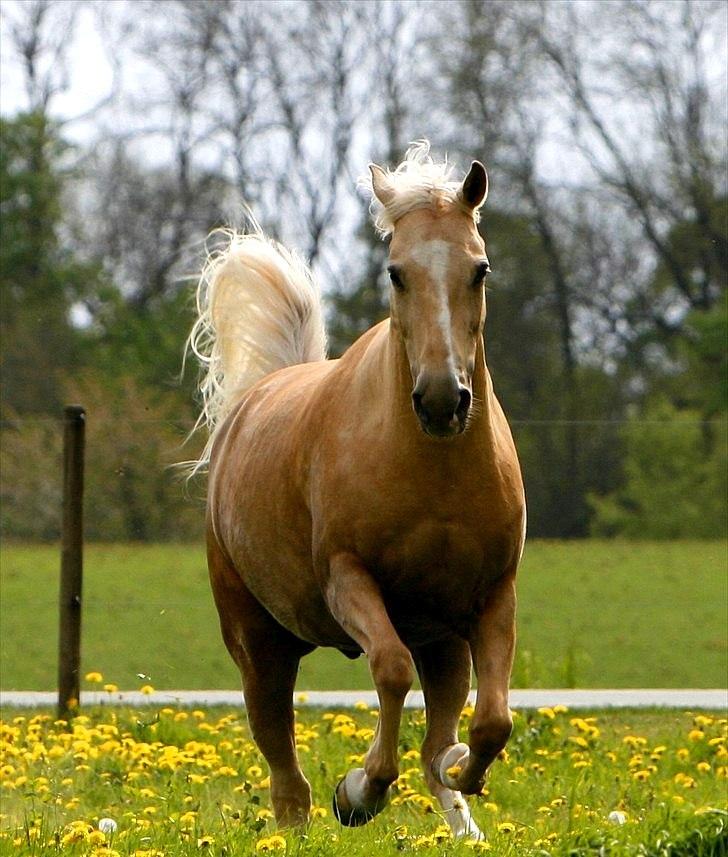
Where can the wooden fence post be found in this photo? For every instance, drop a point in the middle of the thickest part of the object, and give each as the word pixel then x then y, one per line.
pixel 69 639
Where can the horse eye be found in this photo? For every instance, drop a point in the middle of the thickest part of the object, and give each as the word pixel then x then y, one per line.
pixel 482 269
pixel 395 278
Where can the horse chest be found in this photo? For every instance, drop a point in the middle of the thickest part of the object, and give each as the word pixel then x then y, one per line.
pixel 437 565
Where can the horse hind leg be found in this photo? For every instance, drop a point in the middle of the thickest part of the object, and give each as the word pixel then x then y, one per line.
pixel 356 603
pixel 444 670
pixel 268 657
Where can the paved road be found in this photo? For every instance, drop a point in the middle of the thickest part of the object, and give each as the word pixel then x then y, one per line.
pixel 685 699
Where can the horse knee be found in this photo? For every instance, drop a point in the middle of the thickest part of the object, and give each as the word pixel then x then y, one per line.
pixel 393 670
pixel 489 735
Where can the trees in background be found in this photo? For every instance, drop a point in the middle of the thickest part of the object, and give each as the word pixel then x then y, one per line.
pixel 602 128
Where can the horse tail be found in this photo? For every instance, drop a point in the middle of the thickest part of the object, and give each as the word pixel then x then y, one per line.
pixel 258 310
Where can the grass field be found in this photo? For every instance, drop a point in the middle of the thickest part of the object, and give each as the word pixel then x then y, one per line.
pixel 184 783
pixel 591 614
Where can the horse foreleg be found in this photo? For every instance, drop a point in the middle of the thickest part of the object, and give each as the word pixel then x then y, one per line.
pixel 268 657
pixel 356 603
pixel 462 767
pixel 444 669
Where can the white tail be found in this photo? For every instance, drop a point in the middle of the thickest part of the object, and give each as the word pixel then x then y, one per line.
pixel 258 310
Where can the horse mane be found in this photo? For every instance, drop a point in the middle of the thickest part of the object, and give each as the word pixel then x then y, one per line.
pixel 418 182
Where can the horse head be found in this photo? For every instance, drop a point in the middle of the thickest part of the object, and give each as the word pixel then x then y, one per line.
pixel 437 270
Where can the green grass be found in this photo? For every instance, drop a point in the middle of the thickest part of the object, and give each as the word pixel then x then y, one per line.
pixel 591 614
pixel 186 783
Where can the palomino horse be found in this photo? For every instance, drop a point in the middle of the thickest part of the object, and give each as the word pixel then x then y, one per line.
pixel 372 503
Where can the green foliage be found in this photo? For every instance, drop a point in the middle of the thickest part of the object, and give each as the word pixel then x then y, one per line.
pixel 30 489
pixel 561 457
pixel 134 439
pixel 355 310
pixel 39 278
pixel 703 351
pixel 133 492
pixel 675 472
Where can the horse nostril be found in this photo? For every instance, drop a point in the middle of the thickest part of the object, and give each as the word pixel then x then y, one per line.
pixel 464 403
pixel 417 404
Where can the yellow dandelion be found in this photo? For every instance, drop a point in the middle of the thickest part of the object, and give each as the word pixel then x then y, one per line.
pixel 319 812
pixel 442 833
pixel 547 712
pixel 506 827
pixel 270 844
pixel 94 677
pixel 111 688
pixel 146 689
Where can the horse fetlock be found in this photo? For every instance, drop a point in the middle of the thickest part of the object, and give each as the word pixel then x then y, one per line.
pixel 357 799
pixel 291 801
pixel 489 736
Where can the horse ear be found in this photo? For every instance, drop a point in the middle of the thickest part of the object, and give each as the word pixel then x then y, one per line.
pixel 380 185
pixel 475 187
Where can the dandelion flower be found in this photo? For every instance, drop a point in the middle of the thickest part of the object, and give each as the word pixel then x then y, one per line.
pixel 94 677
pixel 270 844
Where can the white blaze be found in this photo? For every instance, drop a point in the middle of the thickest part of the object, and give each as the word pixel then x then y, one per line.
pixel 434 257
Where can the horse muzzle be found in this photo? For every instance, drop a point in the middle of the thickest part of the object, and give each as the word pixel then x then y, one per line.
pixel 442 404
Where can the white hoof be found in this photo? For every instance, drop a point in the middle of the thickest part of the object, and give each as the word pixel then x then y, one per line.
pixel 449 765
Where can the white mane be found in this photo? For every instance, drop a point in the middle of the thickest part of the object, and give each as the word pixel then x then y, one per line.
pixel 418 182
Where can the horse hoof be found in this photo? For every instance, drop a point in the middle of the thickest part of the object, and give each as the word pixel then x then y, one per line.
pixel 449 764
pixel 354 816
